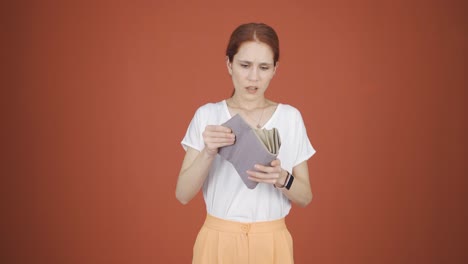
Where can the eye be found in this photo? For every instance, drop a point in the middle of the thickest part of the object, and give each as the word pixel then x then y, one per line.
pixel 265 68
pixel 243 65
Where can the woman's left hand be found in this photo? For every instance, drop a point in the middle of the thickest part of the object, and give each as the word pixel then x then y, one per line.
pixel 273 174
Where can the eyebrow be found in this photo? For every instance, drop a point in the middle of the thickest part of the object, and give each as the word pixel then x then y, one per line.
pixel 249 62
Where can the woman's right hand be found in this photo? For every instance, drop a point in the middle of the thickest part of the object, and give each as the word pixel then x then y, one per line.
pixel 216 137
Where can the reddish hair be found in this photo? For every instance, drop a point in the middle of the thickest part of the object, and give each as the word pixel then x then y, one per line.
pixel 253 32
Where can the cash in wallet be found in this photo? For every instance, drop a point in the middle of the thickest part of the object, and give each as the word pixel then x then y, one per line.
pixel 252 146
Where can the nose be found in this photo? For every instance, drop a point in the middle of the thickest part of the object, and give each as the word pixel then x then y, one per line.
pixel 253 74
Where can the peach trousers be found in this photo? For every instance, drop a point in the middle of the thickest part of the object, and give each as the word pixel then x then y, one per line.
pixel 227 242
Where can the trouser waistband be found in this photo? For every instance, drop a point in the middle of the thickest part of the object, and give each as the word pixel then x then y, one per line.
pixel 238 227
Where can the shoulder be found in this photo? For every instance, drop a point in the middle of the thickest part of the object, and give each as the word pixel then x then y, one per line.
pixel 209 108
pixel 210 113
pixel 289 110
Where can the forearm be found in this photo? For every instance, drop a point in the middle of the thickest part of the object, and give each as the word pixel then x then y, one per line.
pixel 299 193
pixel 192 177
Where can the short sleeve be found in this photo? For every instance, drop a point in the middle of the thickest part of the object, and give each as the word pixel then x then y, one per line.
pixel 304 147
pixel 193 137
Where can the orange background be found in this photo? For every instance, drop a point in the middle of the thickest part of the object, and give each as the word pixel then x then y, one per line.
pixel 102 94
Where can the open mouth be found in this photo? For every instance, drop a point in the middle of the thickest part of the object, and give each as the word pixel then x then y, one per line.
pixel 251 89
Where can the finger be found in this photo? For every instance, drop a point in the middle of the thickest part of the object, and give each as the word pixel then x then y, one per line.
pixel 262 176
pixel 216 134
pixel 275 163
pixel 214 140
pixel 267 169
pixel 225 144
pixel 218 145
pixel 224 129
pixel 264 180
pixel 219 140
pixel 218 128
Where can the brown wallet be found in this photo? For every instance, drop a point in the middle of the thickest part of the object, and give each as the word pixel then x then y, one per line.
pixel 252 146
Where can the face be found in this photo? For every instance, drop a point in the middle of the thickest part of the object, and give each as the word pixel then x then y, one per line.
pixel 252 69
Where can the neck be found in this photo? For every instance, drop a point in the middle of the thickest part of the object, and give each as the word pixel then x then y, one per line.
pixel 248 104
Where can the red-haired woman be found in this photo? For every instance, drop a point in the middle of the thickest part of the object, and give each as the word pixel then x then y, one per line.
pixel 246 225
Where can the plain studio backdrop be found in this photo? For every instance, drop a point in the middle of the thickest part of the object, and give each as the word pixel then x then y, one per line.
pixel 101 94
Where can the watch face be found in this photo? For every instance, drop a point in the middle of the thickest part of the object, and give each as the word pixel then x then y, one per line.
pixel 290 181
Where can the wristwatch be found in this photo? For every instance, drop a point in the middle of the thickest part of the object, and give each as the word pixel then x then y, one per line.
pixel 288 182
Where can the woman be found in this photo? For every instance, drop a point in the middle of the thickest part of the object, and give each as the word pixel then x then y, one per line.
pixel 246 225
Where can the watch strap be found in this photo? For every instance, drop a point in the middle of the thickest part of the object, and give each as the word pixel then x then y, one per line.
pixel 289 181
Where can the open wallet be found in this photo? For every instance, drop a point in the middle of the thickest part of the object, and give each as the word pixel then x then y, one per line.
pixel 252 146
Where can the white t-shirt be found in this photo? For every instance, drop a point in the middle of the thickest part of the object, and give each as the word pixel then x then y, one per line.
pixel 225 194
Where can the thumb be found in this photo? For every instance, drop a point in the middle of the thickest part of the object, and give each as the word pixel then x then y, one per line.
pixel 275 163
